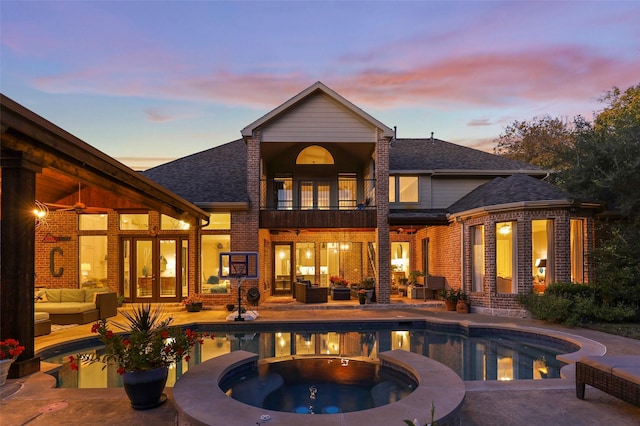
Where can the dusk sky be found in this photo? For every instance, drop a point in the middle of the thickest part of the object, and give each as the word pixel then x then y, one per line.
pixel 150 81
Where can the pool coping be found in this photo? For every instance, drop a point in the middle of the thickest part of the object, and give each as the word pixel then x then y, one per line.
pixel 200 401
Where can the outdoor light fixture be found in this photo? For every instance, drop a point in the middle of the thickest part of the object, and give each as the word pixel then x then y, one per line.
pixel 41 213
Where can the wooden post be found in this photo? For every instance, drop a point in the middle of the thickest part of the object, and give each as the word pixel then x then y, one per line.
pixel 18 255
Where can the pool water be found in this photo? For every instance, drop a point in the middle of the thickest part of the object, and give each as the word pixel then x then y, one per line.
pixel 486 355
pixel 317 385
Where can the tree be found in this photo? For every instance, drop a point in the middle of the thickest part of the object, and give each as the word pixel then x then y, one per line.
pixel 607 154
pixel 543 141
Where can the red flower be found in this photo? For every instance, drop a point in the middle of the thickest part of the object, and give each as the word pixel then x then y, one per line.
pixel 109 334
pixel 187 358
pixel 72 363
pixel 164 334
pixel 10 348
pixel 121 371
pixel 95 327
pixel 125 342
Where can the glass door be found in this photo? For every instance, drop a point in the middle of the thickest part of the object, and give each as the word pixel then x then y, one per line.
pixel 153 269
pixel 282 276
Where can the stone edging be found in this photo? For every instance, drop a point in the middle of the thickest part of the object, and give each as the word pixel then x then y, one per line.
pixel 200 401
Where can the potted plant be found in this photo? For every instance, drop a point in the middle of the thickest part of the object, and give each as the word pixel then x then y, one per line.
pixel 143 353
pixel 192 303
pixel 369 285
pixel 462 304
pixel 414 277
pixel 9 351
pixel 337 281
pixel 450 298
pixel 362 296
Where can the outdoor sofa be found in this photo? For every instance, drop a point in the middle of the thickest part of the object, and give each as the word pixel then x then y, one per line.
pixel 76 306
pixel 307 293
pixel 617 375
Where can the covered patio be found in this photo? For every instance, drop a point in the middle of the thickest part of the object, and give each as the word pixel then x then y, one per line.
pixel 43 162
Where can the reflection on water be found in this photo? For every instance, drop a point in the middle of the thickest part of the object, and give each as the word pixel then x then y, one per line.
pixel 492 357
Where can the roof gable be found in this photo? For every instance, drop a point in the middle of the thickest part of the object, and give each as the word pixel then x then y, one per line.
pixel 309 94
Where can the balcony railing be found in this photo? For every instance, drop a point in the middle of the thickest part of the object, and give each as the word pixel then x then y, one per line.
pixel 317 194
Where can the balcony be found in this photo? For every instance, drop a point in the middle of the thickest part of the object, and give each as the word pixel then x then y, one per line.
pixel 317 203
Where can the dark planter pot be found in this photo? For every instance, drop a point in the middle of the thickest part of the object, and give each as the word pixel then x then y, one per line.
pixel 362 300
pixel 230 307
pixel 450 305
pixel 144 388
pixel 194 307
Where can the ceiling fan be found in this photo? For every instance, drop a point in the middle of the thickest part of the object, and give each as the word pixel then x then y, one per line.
pixel 79 207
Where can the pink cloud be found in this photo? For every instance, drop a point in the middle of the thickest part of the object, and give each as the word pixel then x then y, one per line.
pixel 493 80
pixel 479 122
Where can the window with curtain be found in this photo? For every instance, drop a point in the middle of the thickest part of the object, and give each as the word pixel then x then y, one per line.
pixel 506 257
pixel 477 258
pixel 577 250
pixel 542 253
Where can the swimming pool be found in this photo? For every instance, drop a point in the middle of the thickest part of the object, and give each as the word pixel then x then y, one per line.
pixel 474 354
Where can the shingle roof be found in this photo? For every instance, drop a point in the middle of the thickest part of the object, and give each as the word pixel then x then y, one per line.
pixel 513 189
pixel 216 175
pixel 425 154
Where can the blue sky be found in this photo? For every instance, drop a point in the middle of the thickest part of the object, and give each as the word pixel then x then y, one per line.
pixel 149 81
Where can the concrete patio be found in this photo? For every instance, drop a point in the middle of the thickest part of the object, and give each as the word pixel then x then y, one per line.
pixel 31 400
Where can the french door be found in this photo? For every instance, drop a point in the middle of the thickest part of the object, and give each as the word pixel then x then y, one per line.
pixel 282 271
pixel 154 269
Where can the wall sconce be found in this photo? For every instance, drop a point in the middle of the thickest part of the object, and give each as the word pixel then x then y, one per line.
pixel 541 264
pixel 41 213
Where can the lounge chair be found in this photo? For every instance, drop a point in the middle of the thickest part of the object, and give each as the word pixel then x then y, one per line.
pixel 616 375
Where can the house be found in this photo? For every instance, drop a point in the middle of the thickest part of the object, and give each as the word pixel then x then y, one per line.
pixel 320 188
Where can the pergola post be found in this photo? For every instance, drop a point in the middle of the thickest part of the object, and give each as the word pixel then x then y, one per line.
pixel 17 278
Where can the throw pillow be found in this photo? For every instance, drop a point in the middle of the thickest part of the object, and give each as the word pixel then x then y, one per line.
pixel 41 296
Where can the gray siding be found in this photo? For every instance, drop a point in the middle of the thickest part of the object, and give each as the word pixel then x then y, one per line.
pixel 445 192
pixel 319 119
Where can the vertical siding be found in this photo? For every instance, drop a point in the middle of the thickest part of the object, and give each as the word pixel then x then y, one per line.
pixel 319 119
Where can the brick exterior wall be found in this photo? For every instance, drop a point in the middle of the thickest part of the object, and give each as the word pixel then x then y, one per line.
pixel 383 283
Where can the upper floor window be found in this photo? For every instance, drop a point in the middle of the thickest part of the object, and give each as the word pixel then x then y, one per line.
pixel 93 222
pixel 219 221
pixel 314 154
pixel 168 223
pixel 403 189
pixel 134 221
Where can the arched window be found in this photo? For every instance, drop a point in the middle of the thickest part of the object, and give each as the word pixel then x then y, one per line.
pixel 314 154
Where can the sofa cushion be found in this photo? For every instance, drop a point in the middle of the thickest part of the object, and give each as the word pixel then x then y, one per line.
pixel 72 295
pixel 65 307
pixel 90 293
pixel 41 316
pixel 630 374
pixel 609 362
pixel 54 295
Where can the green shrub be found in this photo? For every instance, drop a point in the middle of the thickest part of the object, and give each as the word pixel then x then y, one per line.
pixel 576 304
pixel 547 307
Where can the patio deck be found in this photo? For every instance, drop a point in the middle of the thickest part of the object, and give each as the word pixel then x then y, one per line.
pixel 525 402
